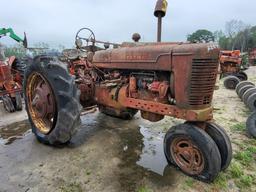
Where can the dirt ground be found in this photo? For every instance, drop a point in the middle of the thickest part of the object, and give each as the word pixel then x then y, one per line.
pixel 108 154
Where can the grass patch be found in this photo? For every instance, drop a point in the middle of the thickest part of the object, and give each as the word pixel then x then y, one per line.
pixel 236 170
pixel 251 149
pixel 244 157
pixel 221 181
pixel 190 182
pixel 72 187
pixel 144 189
pixel 238 127
pixel 245 181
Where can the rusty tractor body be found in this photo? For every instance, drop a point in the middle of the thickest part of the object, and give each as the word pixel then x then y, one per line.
pixel 10 85
pixel 252 57
pixel 157 79
pixel 231 67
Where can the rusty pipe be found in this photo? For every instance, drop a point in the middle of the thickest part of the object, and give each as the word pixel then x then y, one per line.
pixel 159 28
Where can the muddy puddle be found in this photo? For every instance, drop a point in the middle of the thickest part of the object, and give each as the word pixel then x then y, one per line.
pixel 143 159
pixel 140 149
pixel 12 132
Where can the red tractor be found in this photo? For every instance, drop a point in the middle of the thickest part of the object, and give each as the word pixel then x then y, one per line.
pixel 11 75
pixel 157 79
pixel 232 68
pixel 11 84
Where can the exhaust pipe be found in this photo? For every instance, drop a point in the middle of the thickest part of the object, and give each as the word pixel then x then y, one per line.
pixel 160 11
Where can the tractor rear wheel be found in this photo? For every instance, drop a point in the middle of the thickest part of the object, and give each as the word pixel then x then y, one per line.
pixel 230 82
pixel 52 100
pixel 8 105
pixel 198 158
pixel 251 124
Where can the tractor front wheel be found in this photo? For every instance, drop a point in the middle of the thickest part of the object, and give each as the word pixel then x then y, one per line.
pixel 221 138
pixel 52 100
pixel 193 151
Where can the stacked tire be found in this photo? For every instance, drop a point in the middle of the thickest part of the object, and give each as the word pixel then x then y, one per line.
pixel 230 82
pixel 246 91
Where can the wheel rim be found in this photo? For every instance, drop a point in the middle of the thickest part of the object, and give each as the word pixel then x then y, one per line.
pixel 41 102
pixel 187 156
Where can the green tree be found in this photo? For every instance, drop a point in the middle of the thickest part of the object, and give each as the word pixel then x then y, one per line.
pixel 201 36
pixel 252 38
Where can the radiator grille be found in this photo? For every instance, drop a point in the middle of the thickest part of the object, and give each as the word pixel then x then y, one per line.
pixel 203 78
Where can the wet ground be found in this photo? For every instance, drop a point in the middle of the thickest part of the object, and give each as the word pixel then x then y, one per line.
pixel 107 154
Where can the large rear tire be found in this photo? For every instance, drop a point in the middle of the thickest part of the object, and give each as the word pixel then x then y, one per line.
pixel 52 100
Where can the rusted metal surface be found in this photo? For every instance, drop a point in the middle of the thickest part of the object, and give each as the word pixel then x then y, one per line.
pixel 230 61
pixel 104 96
pixel 252 57
pixel 9 84
pixel 187 156
pixel 159 79
pixel 41 102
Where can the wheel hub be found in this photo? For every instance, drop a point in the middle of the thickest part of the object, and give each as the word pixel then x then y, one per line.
pixel 187 156
pixel 41 102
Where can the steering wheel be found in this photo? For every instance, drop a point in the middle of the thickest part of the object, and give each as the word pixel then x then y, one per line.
pixel 89 40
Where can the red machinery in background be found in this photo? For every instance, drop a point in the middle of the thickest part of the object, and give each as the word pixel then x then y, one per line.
pixel 11 74
pixel 231 67
pixel 10 85
pixel 252 57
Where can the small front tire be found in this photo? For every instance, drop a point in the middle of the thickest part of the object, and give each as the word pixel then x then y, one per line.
pixel 193 151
